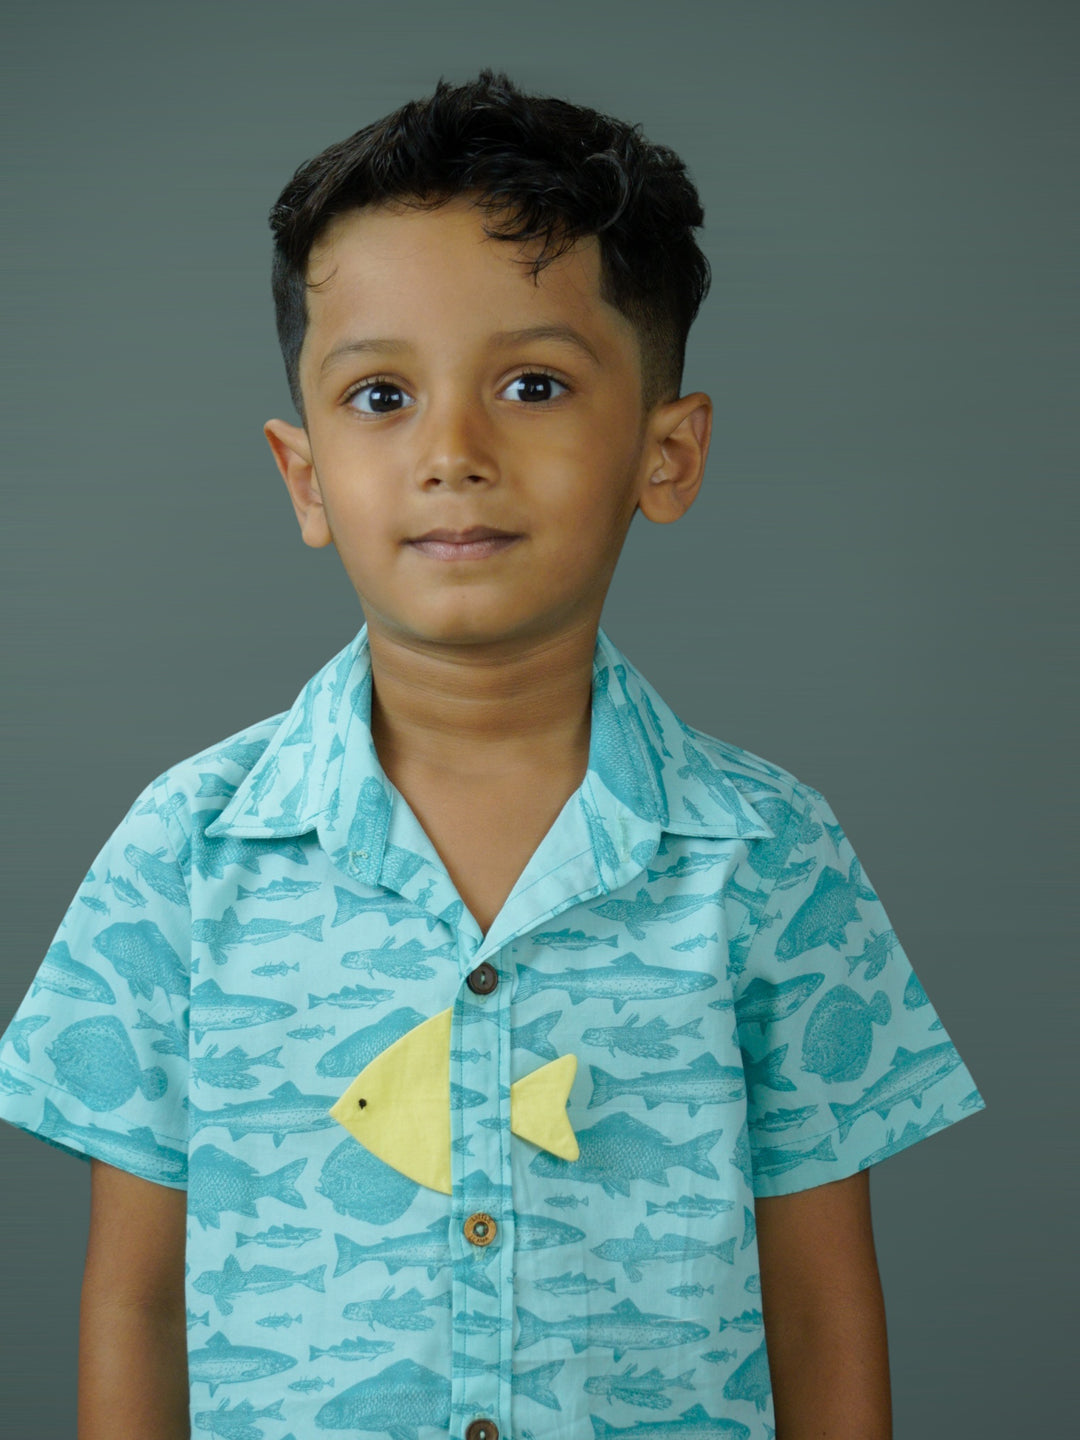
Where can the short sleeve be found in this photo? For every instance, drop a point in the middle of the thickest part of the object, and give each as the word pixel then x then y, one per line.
pixel 846 1060
pixel 95 1060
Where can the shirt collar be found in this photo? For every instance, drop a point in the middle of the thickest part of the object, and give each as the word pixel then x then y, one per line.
pixel 321 771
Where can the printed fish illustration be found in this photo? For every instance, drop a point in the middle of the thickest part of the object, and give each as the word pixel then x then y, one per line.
pixel 693 1424
pixel 650 1041
pixel 280 1237
pixel 398 1312
pixel 622 979
pixel 164 878
pixel 394 907
pixel 690 1207
pixel 285 1112
pixel 691 864
pixel 534 1383
pixel 619 1149
pixel 631 1252
pixel 534 1036
pixel 540 1232
pixel 18 1031
pixel 839 1036
pixel 398 1107
pixel 237 1423
pixel 67 976
pixel 358 1184
pixel 570 1284
pixel 232 1280
pixel 763 1003
pixel 823 917
pixel 691 1292
pixel 213 1009
pixel 359 1349
pixel 718 784
pixel 403 962
pixel 359 1049
pixel 644 910
pixel 874 954
pixel 775 1160
pixel 704 1082
pixel 646 1390
pixel 142 956
pixel 697 942
pixel 428 1248
pixel 750 1380
pixel 622 1328
pixel 279 1322
pixel 398 1400
pixel 96 1061
pixel 567 1202
pixel 352 997
pixel 311 1032
pixel 749 1320
pixel 124 890
pixel 572 940
pixel 193 1319
pixel 223 1364
pixel 720 1357
pixel 11 1086
pixel 279 968
pixel 138 1150
pixel 221 936
pixel 284 889
pixel 909 1076
pixel 908 1136
pixel 232 1070
pixel 314 1383
pixel 219 1181
pixel 475 1322
pixel 173 1041
pixel 775 1120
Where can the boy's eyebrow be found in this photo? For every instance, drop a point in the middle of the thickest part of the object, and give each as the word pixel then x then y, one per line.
pixel 565 333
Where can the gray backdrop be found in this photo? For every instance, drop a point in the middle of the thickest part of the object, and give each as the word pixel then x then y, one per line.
pixel 870 591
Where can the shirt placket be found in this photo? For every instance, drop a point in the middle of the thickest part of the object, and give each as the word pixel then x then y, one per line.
pixel 481 1217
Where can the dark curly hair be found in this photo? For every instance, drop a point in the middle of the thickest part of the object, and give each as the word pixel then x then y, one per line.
pixel 548 169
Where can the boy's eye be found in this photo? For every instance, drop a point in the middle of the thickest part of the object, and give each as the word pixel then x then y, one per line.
pixel 382 394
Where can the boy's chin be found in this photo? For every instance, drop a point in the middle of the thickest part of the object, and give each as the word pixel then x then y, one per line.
pixel 473 628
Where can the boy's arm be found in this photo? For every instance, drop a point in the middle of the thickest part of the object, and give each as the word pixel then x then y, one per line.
pixel 824 1313
pixel 133 1379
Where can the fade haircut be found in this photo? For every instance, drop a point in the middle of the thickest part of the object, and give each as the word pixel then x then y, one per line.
pixel 550 170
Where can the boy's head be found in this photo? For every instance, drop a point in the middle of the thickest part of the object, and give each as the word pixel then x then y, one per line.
pixel 421 271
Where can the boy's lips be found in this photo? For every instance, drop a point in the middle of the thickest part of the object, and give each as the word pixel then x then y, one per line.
pixel 476 542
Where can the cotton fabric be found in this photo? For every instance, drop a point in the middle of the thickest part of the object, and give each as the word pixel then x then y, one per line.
pixel 269 916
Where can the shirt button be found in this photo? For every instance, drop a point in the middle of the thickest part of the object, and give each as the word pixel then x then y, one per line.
pixel 482 981
pixel 482 1430
pixel 480 1230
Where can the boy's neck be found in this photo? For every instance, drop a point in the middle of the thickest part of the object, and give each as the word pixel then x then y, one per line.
pixel 473 713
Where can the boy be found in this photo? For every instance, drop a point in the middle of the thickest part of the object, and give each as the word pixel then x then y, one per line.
pixel 568 1034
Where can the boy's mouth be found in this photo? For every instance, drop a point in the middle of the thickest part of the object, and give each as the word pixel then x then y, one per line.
pixel 474 543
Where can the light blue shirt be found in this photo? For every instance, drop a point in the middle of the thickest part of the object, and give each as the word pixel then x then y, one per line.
pixel 695 928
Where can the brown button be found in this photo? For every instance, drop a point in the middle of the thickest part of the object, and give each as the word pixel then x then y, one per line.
pixel 482 981
pixel 480 1230
pixel 482 1430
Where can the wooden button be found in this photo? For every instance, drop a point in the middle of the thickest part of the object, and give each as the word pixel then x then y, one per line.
pixel 480 1230
pixel 482 981
pixel 482 1430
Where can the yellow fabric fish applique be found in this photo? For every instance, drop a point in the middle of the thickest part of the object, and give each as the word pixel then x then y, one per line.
pixel 398 1107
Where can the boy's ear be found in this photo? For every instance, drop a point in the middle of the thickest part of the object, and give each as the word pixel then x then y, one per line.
pixel 680 432
pixel 292 452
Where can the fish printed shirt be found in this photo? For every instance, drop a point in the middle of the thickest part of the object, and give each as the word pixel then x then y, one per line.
pixel 694 950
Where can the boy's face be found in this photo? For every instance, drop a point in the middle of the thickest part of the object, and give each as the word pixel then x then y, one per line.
pixel 469 427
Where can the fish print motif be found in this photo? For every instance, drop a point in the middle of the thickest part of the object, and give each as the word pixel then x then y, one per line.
pixel 694 940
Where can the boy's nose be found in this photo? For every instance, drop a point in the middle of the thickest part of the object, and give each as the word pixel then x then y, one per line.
pixel 455 446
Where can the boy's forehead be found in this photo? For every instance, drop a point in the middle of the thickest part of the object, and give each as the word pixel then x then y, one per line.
pixel 392 266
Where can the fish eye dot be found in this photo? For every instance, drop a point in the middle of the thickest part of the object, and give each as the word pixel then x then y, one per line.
pixel 361 1103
